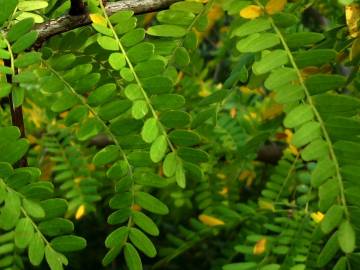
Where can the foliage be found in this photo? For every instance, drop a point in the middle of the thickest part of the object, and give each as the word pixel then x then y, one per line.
pixel 218 134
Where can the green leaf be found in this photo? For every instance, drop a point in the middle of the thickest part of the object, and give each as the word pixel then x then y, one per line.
pixel 328 193
pixel 133 92
pixel 33 209
pixel 126 26
pixel 150 203
pixel 132 257
pixel 117 61
pixel 56 226
pixel 314 57
pixel 315 150
pixel 19 29
pixel 5 89
pixel 150 130
pixel 68 243
pixel 102 94
pixel 299 116
pixel 32 5
pixel 64 102
pixel 127 74
pixel 329 251
pixel 150 68
pixel 320 83
pixel 323 170
pixel 25 41
pixel 111 255
pixel 189 6
pixel 106 155
pixel 169 165
pixel 179 17
pixel 7 8
pixel 332 219
pixel 10 212
pixel 240 266
pixel 158 148
pixel 175 119
pixel 24 231
pixel 166 30
pixel 180 175
pixel 121 16
pixel 181 57
pixel 119 201
pixel 54 207
pixel 346 236
pixel 36 250
pixel 108 43
pixel 13 151
pixel 270 61
pixel 157 85
pixel 151 180
pixel 341 264
pixel 114 108
pixel 300 39
pixel 306 133
pixel 257 42
pixel 117 237
pixel 193 155
pixel 119 216
pixel 139 109
pixel 27 59
pixel 289 93
pixel 133 37
pixel 141 52
pixel 142 242
pixel 145 223
pixel 251 27
pixel 53 259
pixel 280 77
pixel 184 137
pixel 89 128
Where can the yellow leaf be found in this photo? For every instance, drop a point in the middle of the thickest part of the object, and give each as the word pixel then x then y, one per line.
pixel 136 207
pixel 91 167
pixel 98 19
pixel 289 135
pixel 251 12
pixel 272 111
pixel 293 150
pixel 221 176
pixel 224 191
pixel 233 112
pixel 80 212
pixel 317 217
pixel 77 180
pixel 260 246
pixel 274 6
pixel 352 14
pixel 266 205
pixel 210 221
pixel 32 139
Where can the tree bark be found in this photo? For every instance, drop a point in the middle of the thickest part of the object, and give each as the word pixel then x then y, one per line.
pixel 70 22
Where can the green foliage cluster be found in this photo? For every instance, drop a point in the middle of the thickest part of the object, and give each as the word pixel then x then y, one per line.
pixel 148 133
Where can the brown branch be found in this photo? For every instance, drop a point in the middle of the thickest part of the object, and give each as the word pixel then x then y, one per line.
pixel 69 22
pixel 16 117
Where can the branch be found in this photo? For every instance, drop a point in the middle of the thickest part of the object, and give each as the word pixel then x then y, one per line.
pixel 16 116
pixel 69 22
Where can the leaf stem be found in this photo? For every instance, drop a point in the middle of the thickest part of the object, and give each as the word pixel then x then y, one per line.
pixel 131 67
pixel 317 115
